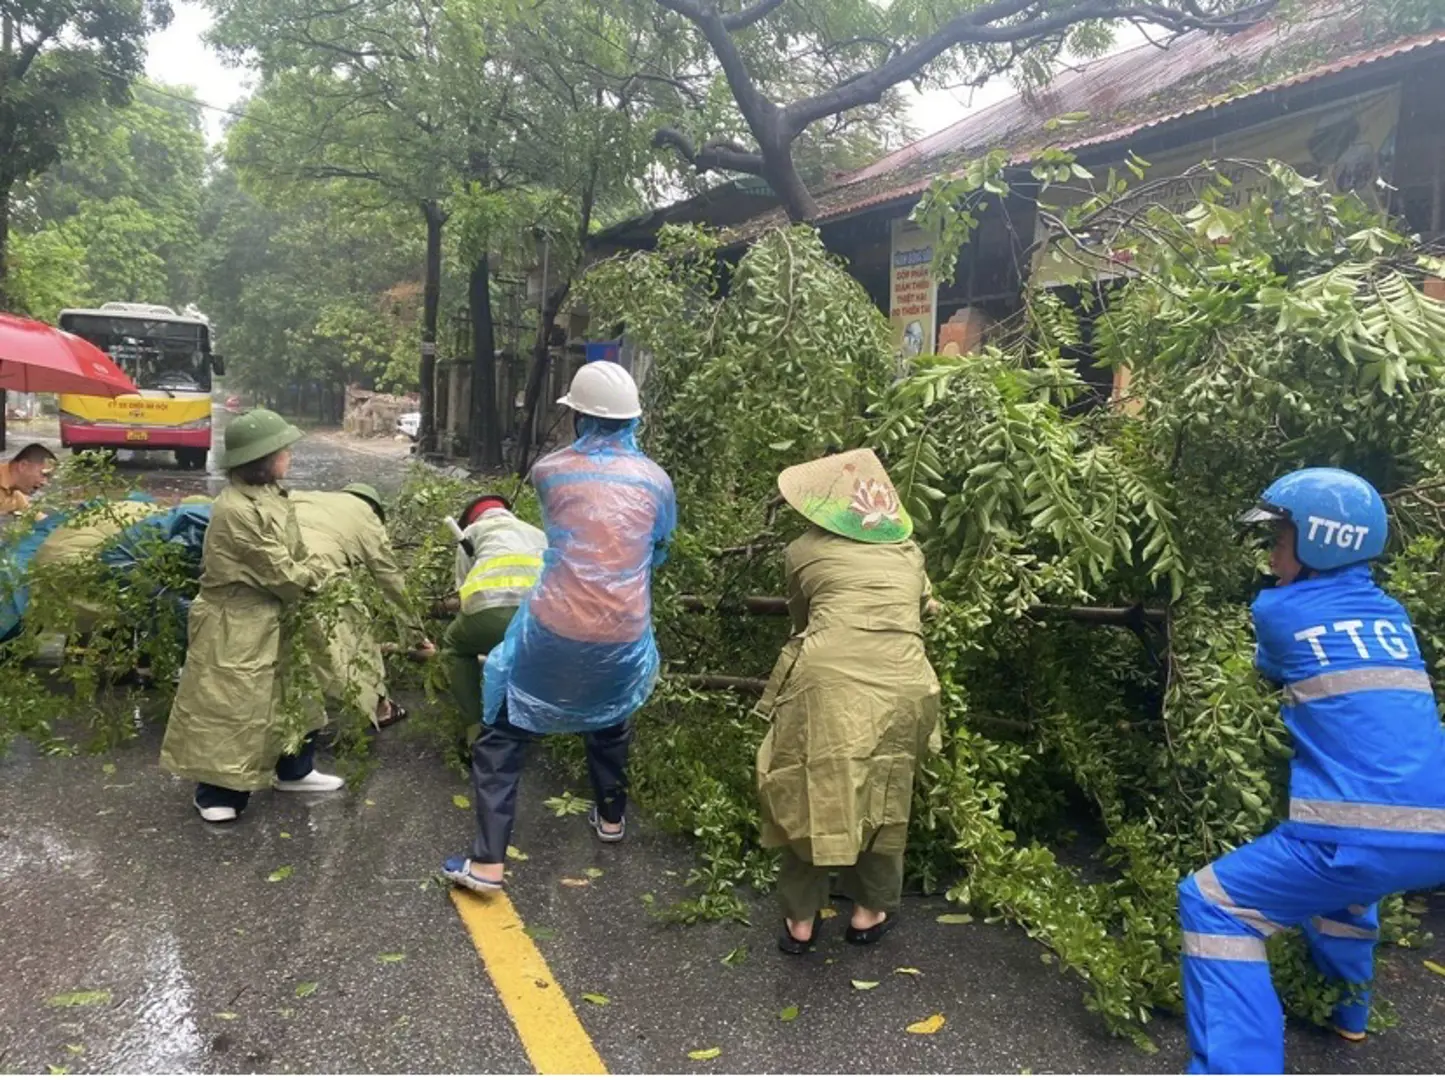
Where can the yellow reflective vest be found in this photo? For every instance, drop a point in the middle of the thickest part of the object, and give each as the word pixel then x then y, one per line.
pixel 506 561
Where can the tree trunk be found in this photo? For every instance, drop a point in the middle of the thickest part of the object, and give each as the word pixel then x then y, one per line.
pixel 537 374
pixel 486 450
pixel 782 176
pixel 5 186
pixel 435 218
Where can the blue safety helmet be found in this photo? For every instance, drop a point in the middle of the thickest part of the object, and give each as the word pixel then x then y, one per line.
pixel 1339 518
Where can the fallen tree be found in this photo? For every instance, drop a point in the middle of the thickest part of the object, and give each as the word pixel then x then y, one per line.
pixel 1292 330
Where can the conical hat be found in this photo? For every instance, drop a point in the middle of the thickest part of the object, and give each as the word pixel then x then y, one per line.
pixel 850 495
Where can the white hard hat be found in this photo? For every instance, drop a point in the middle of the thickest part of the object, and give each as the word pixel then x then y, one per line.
pixel 604 389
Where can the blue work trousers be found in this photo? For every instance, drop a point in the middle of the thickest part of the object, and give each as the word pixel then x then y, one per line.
pixel 1228 909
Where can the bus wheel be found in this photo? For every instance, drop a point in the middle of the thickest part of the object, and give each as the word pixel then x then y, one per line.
pixel 191 459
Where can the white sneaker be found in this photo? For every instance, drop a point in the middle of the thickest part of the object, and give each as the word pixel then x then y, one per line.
pixel 216 814
pixel 312 781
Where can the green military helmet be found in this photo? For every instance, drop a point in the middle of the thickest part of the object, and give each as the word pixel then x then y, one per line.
pixel 370 494
pixel 255 435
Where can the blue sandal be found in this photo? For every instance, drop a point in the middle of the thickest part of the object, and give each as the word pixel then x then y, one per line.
pixel 458 870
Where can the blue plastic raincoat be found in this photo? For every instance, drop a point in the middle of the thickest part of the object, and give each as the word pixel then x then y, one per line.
pixel 580 654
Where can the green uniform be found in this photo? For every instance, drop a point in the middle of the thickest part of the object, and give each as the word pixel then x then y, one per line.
pixel 344 536
pixel 853 703
pixel 225 724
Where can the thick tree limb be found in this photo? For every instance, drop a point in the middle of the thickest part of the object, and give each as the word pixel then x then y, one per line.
pixel 713 155
pixel 758 12
pixel 1129 617
pixel 990 25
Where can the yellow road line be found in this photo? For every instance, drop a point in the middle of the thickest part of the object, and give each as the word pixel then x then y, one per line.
pixel 553 1037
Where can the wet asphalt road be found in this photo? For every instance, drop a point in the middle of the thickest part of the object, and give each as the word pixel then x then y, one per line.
pixel 110 883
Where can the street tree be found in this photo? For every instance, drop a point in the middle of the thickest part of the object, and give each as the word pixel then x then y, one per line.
pixel 853 53
pixel 57 59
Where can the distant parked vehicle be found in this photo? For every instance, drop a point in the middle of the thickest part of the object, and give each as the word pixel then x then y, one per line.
pixel 409 424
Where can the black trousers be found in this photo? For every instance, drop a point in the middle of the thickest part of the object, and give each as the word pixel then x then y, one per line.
pixel 497 759
pixel 288 767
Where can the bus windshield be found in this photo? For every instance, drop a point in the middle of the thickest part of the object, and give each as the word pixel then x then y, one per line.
pixel 158 354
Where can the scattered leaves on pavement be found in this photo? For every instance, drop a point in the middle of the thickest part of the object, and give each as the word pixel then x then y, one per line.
pixel 79 999
pixel 863 984
pixel 539 933
pixel 285 836
pixel 1438 969
pixel 281 873
pixel 227 1016
pixel 305 990
pixel 593 872
pixel 931 1026
pixel 390 957
pixel 955 919
pixel 568 805
pixel 516 854
pixel 828 913
pixel 907 971
pixel 597 999
pixel 736 957
pixel 705 1055
pixel 461 802
pixel 108 768
pixel 789 1014
pixel 576 882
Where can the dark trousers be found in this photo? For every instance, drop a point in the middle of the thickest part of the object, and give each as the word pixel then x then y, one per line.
pixel 875 881
pixel 497 759
pixel 288 767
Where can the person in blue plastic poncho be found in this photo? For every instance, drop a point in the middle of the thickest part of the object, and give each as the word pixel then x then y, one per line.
pixel 579 656
pixel 1367 783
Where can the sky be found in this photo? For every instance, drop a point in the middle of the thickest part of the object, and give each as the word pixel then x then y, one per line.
pixel 179 56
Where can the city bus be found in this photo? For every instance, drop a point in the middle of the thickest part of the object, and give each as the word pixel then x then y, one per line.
pixel 169 358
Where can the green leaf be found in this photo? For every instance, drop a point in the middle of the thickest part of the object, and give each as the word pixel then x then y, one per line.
pixel 736 957
pixel 593 873
pixel 705 1055
pixel 306 989
pixel 516 856
pixel 862 984
pixel 597 999
pixel 285 836
pixel 76 999
pixel 390 957
pixel 539 933
pixel 907 971
pixel 789 1014
pixel 954 919
pixel 461 802
pixel 108 768
pixel 281 873
pixel 1438 969
pixel 226 1016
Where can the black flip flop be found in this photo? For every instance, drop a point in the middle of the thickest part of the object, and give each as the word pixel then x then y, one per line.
pixel 873 935
pixel 793 946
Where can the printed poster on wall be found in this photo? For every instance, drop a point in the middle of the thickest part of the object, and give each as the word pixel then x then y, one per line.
pixel 1349 145
pixel 912 294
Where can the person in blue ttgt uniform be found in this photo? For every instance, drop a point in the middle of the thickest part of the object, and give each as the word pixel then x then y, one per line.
pixel 1367 783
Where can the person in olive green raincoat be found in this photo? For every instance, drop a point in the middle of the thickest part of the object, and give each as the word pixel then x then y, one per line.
pixel 345 533
pixel 225 728
pixel 853 700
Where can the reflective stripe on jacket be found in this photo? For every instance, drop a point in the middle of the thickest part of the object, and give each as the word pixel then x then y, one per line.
pixel 1369 765
pixel 507 562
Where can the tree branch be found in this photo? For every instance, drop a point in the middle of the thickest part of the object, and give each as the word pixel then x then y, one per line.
pixel 989 25
pixel 747 17
pixel 722 155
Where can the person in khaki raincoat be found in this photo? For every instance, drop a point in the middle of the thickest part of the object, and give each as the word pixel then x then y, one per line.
pixel 225 724
pixel 853 700
pixel 344 533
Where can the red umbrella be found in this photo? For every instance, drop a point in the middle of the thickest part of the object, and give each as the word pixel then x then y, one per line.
pixel 39 359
